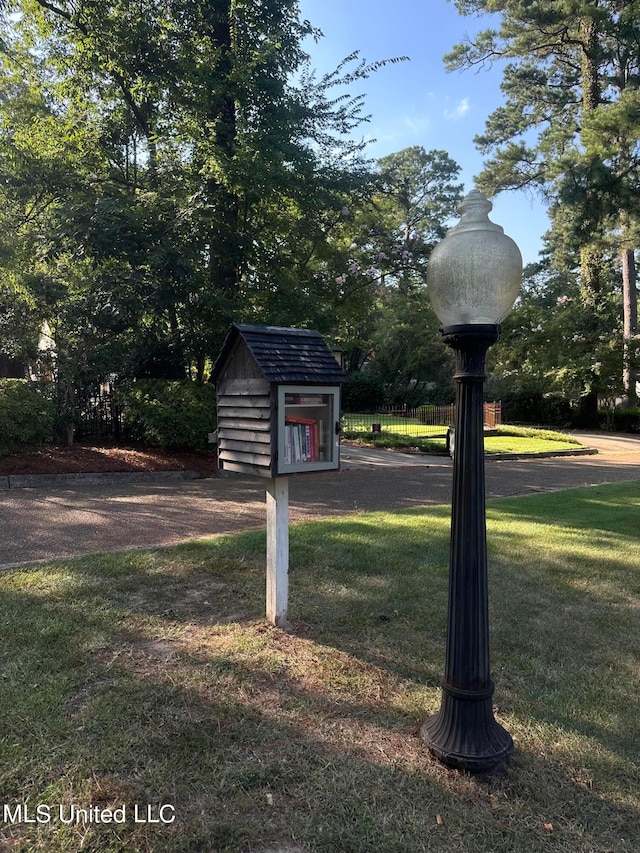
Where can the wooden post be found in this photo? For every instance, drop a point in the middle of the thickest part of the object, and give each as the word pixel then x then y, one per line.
pixel 277 550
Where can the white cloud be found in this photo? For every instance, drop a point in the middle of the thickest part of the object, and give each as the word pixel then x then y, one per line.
pixel 460 110
pixel 400 132
pixel 417 124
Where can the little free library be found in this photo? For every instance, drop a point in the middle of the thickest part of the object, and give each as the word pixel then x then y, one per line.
pixel 278 400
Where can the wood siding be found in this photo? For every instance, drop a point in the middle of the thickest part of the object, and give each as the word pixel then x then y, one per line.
pixel 244 416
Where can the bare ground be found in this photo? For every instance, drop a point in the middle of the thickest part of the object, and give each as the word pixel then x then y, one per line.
pixel 98 459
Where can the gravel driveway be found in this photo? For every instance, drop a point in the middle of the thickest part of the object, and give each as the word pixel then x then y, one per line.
pixel 41 523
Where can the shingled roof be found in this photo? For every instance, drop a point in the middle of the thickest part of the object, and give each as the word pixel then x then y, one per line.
pixel 284 355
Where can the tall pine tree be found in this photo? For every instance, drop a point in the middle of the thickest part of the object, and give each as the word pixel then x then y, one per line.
pixel 569 129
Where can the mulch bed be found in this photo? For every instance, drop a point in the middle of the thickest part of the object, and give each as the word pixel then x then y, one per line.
pixel 98 459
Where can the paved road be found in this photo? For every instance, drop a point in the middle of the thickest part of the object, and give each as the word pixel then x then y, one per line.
pixel 37 524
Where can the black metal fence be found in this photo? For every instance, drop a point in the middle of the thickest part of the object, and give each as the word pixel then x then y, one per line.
pixel 434 419
pixel 98 417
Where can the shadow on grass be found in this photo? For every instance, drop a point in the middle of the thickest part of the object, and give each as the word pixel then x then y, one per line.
pixel 152 677
pixel 250 755
pixel 594 508
pixel 246 756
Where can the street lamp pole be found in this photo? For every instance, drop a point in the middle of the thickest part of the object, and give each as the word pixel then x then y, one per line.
pixel 473 278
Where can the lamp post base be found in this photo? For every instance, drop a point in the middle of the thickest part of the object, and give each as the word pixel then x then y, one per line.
pixel 464 734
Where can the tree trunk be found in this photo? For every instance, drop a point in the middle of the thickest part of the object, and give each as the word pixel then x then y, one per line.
pixel 590 257
pixel 200 367
pixel 630 314
pixel 590 76
pixel 221 110
pixel 588 417
pixel 590 276
pixel 177 348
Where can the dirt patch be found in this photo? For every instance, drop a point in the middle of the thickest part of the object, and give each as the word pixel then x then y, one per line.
pixel 98 459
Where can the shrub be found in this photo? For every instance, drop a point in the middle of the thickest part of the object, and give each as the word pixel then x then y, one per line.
pixel 169 414
pixel 26 417
pixel 534 408
pixel 403 394
pixel 442 395
pixel 399 442
pixel 362 393
pixel 620 420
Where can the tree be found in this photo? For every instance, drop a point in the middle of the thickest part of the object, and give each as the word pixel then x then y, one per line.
pixel 183 181
pixel 568 127
pixel 383 251
pixel 547 343
pixel 407 352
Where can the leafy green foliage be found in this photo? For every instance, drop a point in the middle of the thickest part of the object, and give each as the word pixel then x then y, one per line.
pixel 362 393
pixel 551 345
pixel 166 414
pixel 620 420
pixel 398 441
pixel 409 354
pixel 530 432
pixel 398 435
pixel 384 249
pixel 533 407
pixel 26 417
pixel 162 174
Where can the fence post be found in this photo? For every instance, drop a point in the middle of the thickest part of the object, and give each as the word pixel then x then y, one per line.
pixel 492 414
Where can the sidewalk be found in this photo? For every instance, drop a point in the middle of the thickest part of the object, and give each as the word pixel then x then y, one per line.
pixel 42 523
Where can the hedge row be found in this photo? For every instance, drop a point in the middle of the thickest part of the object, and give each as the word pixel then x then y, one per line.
pixel 180 415
pixel 620 420
pixel 526 408
pixel 26 417
pixel 171 415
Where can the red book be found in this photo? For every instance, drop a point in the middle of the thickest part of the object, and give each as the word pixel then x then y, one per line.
pixel 308 436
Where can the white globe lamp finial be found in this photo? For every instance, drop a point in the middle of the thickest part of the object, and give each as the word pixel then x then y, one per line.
pixel 474 274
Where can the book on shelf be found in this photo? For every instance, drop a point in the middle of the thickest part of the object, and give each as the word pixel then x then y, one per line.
pixel 301 440
pixel 306 400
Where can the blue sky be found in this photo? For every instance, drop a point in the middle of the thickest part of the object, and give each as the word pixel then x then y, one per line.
pixel 418 102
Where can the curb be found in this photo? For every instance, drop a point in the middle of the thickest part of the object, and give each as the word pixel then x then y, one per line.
pixel 544 454
pixel 35 481
pixel 498 457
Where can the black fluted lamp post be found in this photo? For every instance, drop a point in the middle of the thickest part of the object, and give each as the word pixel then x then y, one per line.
pixel 473 278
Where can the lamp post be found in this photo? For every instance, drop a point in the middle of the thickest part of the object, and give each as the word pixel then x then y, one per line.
pixel 473 277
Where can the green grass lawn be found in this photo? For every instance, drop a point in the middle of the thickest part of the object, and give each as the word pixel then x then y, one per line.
pixel 512 439
pixel 394 424
pixel 151 678
pixel 431 439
